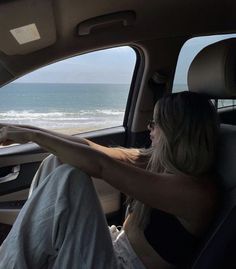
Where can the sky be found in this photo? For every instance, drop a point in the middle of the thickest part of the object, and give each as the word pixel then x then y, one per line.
pixel 114 65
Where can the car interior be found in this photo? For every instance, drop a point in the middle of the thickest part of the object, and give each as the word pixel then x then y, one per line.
pixel 157 31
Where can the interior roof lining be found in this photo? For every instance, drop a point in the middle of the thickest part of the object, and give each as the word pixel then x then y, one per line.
pixel 66 16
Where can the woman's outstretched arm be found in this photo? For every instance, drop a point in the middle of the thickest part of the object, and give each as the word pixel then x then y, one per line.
pixel 122 154
pixel 174 194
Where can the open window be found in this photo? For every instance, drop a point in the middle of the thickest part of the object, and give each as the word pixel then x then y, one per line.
pixel 84 93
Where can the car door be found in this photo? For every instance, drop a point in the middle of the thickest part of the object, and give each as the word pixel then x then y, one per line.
pixel 51 103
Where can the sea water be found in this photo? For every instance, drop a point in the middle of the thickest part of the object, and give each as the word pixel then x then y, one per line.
pixel 61 106
pixel 68 106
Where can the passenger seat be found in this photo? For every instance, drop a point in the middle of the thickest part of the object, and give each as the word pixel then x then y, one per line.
pixel 213 73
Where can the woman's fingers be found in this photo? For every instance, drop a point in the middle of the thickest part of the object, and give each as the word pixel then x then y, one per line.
pixel 4 125
pixel 12 134
pixel 3 136
pixel 29 127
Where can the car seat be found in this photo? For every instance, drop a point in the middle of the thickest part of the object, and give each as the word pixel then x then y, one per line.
pixel 213 73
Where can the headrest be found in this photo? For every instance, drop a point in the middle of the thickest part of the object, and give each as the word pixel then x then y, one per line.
pixel 226 157
pixel 213 70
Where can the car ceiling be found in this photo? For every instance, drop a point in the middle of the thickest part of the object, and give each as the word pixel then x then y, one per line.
pixel 57 22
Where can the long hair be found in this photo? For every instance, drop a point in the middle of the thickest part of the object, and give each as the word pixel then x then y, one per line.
pixel 187 135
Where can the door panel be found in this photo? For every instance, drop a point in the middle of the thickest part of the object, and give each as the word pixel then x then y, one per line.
pixel 23 181
pixel 14 193
pixel 15 196
pixel 8 216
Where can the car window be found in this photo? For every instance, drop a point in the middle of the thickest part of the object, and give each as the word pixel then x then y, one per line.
pixel 79 94
pixel 225 103
pixel 189 50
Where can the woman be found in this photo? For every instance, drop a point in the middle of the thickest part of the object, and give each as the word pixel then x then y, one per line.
pixel 171 188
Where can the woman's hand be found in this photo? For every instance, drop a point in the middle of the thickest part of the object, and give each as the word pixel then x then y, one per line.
pixel 21 126
pixel 12 134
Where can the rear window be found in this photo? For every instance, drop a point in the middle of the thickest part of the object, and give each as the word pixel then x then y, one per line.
pixel 225 103
pixel 189 50
pixel 84 93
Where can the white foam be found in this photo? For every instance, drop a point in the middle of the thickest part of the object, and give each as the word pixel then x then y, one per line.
pixel 60 119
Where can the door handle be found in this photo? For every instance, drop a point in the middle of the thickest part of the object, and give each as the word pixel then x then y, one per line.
pixel 11 176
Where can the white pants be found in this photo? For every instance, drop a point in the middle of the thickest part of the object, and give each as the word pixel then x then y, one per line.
pixel 62 226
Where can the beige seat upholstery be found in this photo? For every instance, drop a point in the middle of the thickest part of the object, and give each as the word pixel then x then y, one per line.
pixel 212 72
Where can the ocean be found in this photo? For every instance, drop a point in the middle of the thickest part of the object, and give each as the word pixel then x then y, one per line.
pixel 70 108
pixel 64 106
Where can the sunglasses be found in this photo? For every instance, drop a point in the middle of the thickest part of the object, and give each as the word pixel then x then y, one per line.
pixel 151 124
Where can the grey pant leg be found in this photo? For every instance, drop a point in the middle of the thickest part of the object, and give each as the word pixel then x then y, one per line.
pixel 61 226
pixel 46 167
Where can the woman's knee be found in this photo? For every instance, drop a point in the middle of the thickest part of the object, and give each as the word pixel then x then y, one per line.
pixel 67 175
pixel 47 166
pixel 66 183
pixel 69 184
pixel 51 161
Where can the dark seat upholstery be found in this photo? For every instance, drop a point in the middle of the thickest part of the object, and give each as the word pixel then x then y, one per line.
pixel 218 249
pixel 213 72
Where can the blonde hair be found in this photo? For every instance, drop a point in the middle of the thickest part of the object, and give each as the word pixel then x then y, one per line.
pixel 187 135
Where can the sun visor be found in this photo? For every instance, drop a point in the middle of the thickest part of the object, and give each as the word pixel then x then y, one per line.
pixel 26 26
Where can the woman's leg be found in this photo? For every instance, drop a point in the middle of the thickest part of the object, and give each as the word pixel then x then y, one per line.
pixel 48 165
pixel 61 226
